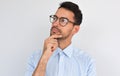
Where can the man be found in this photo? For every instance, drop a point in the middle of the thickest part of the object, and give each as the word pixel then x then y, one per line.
pixel 59 57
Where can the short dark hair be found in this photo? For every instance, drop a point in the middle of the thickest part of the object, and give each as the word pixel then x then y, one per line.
pixel 73 8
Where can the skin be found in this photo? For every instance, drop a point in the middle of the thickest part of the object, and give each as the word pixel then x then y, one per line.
pixel 59 37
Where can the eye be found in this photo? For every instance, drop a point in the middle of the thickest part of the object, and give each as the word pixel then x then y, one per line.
pixel 63 20
pixel 53 18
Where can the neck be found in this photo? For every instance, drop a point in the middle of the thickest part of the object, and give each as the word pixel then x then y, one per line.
pixel 63 43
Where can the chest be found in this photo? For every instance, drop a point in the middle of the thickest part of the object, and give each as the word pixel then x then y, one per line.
pixel 64 67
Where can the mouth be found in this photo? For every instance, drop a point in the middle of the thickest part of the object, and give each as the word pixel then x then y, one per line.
pixel 55 30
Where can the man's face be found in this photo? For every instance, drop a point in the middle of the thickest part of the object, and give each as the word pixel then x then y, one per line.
pixel 57 28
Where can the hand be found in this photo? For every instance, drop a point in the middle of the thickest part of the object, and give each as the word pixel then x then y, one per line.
pixel 51 44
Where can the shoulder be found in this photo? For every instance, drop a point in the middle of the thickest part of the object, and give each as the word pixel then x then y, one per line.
pixel 83 57
pixel 86 61
pixel 37 53
pixel 80 53
pixel 34 58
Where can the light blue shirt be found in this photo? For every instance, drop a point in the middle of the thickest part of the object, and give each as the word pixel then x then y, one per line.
pixel 68 62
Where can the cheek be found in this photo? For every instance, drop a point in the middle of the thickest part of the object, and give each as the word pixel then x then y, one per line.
pixel 67 32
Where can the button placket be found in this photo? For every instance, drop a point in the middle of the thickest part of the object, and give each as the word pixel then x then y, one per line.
pixel 61 64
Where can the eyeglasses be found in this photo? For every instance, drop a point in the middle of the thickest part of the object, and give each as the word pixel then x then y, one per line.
pixel 62 20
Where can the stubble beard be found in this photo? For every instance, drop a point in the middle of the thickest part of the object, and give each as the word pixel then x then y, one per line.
pixel 59 33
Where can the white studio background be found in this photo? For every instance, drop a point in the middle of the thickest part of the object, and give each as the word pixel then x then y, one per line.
pixel 24 24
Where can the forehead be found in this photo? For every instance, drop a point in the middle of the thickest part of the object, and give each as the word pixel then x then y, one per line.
pixel 62 12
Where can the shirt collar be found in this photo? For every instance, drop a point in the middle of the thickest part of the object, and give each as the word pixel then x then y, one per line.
pixel 67 51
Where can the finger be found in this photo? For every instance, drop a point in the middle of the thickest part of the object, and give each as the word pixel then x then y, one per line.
pixel 53 47
pixel 53 41
pixel 56 36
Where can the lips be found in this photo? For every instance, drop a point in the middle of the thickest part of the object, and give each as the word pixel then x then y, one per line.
pixel 55 30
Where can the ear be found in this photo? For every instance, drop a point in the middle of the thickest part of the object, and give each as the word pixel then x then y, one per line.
pixel 76 29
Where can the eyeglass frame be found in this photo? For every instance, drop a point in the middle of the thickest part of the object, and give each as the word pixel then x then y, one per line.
pixel 57 18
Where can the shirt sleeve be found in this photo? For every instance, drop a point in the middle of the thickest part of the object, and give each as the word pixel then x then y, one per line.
pixel 32 63
pixel 91 68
